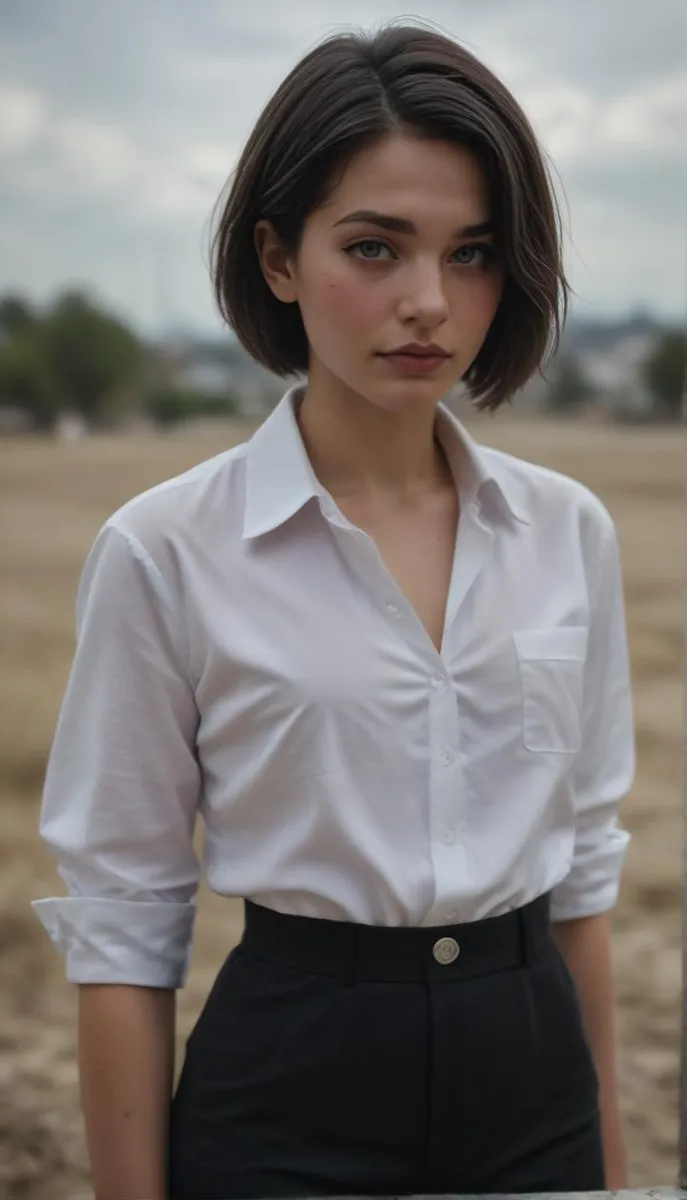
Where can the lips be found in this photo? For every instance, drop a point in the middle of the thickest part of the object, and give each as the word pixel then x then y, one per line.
pixel 414 363
pixel 414 351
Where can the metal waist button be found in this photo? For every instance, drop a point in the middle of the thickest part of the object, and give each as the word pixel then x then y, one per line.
pixel 446 951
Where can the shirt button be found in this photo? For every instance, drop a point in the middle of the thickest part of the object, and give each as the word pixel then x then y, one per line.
pixel 450 837
pixel 446 757
pixel 392 609
pixel 451 914
pixel 438 680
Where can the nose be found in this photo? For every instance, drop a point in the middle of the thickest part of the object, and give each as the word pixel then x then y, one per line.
pixel 424 300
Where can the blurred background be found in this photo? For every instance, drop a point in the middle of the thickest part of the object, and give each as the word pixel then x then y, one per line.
pixel 119 124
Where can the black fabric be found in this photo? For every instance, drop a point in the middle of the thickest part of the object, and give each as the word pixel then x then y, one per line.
pixel 337 1059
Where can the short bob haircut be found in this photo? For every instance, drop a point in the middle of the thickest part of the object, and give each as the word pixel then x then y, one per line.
pixel 350 91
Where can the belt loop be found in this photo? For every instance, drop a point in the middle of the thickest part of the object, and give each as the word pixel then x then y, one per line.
pixel 350 956
pixel 525 936
pixel 535 925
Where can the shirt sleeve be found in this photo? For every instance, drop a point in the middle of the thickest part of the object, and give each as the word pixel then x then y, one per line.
pixel 606 764
pixel 123 782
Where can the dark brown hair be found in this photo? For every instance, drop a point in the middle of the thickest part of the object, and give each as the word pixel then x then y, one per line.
pixel 347 93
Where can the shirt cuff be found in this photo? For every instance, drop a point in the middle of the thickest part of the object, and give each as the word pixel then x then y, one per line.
pixel 145 943
pixel 592 885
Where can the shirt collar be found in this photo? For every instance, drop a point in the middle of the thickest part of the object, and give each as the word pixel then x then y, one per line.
pixel 279 475
pixel 280 479
pixel 479 470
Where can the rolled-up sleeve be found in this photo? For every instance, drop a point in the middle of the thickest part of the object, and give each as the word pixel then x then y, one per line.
pixel 122 784
pixel 606 765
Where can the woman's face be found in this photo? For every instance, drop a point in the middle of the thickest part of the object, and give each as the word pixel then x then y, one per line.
pixel 422 271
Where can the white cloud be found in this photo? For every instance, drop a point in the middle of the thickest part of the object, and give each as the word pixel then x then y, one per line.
pixel 209 163
pixel 96 156
pixel 168 194
pixel 653 118
pixel 22 116
pixel 577 126
pixel 563 116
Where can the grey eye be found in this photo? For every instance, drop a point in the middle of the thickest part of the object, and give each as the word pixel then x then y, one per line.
pixel 373 245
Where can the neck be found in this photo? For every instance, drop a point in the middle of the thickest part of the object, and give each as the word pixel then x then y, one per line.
pixel 359 449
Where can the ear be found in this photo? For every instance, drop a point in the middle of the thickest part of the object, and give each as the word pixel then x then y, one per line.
pixel 274 263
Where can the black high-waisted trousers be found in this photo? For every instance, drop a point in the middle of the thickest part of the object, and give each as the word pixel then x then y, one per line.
pixel 339 1059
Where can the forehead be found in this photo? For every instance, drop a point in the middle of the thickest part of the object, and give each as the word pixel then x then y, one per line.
pixel 414 178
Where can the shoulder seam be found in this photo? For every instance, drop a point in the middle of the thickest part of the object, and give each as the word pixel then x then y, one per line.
pixel 161 586
pixel 145 558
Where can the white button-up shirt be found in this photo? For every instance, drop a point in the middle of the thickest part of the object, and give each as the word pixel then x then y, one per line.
pixel 244 654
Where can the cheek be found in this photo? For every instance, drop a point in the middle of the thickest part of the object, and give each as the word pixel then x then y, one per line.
pixel 342 303
pixel 476 306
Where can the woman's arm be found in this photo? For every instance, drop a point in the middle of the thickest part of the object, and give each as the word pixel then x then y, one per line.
pixel 585 944
pixel 119 811
pixel 126 1066
pixel 582 902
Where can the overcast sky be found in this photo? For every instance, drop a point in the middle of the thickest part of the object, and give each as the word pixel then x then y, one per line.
pixel 120 121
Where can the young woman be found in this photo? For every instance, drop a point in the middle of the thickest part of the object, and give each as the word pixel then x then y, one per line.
pixel 387 666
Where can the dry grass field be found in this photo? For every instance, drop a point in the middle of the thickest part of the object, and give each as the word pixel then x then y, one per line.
pixel 53 497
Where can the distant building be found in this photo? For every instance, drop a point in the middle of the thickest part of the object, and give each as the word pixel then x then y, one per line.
pixel 71 427
pixel 204 375
pixel 14 419
pixel 615 373
pixel 223 368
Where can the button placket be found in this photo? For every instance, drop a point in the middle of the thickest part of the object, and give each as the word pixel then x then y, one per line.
pixel 362 554
pixel 446 804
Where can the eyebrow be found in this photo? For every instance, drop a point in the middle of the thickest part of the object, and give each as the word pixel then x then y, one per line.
pixel 402 225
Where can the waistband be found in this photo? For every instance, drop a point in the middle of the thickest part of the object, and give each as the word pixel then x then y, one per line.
pixel 351 951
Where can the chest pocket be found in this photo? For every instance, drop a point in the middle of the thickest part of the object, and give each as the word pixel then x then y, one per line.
pixel 551 665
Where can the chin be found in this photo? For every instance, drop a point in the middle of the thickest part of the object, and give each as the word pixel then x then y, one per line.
pixel 407 393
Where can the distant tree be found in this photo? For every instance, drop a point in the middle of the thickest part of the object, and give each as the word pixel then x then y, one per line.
pixel 16 316
pixel 91 354
pixel 664 373
pixel 27 382
pixel 169 406
pixel 569 389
